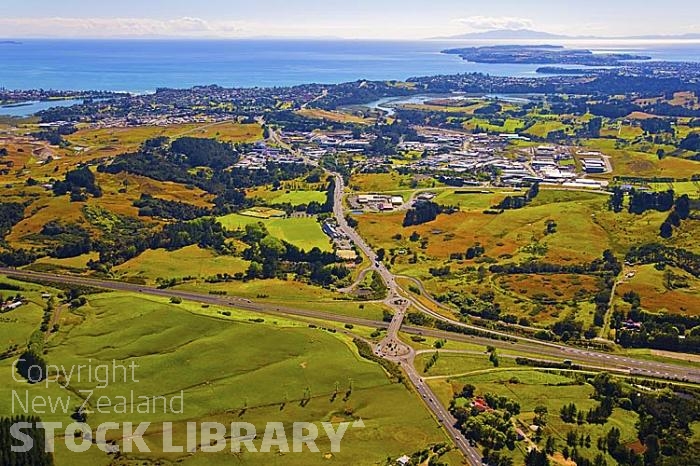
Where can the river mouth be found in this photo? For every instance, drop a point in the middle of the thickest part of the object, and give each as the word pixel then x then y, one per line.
pixel 29 108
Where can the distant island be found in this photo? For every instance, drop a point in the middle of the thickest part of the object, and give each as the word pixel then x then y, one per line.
pixel 529 34
pixel 541 55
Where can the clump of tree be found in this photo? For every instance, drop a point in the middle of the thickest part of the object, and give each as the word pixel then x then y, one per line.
pixel 617 199
pixel 393 369
pixel 119 246
pixel 492 429
pixel 691 142
pixel 78 183
pixel 680 212
pixel 66 239
pixel 11 213
pixel 36 456
pixel 656 125
pixel 271 258
pixel 150 206
pixel 424 212
pixel 54 136
pixel 31 366
pixel 656 253
pixel 205 163
pixel 641 201
pixel 518 202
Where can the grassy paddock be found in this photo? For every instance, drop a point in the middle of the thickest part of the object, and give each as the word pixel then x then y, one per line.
pixel 224 365
pixel 304 232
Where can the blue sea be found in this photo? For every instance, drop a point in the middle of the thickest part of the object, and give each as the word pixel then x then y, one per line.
pixel 144 65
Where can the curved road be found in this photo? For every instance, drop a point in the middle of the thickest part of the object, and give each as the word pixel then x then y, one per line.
pixel 392 347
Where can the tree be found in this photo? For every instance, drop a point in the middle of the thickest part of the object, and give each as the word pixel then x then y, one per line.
pixel 606 386
pixel 682 206
pixel 493 358
pixel 255 270
pixel 32 367
pixel 550 446
pixel 617 199
pixel 651 455
pixel 381 254
pixel 37 454
pixel 468 391
pixel 540 415
pixel 535 457
pixel 568 413
pixel 422 212
pixel 612 439
pixel 595 124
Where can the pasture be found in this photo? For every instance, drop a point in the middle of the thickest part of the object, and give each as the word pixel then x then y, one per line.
pixel 112 141
pixel 17 325
pixel 303 232
pixel 291 293
pixel 191 261
pixel 341 117
pixel 531 388
pixel 296 198
pixel 658 295
pixel 223 365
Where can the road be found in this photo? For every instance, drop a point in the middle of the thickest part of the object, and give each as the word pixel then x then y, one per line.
pixel 444 417
pixel 391 347
pixel 580 356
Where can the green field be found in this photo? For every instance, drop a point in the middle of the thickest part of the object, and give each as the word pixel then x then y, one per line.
pixel 190 261
pixel 230 370
pixel 304 232
pixel 291 293
pixel 531 388
pixel 17 325
pixel 296 198
pixel 78 262
pixel 468 199
pixel 457 363
pixel 691 188
pixel 511 125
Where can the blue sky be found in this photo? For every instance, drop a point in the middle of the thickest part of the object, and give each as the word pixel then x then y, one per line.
pixel 400 19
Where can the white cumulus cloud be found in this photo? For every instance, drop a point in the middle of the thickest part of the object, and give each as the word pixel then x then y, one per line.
pixel 483 23
pixel 118 27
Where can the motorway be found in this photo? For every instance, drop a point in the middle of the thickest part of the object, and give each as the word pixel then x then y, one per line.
pixel 586 357
pixel 391 347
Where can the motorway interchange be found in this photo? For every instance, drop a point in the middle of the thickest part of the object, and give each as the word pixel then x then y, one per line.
pixel 391 347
